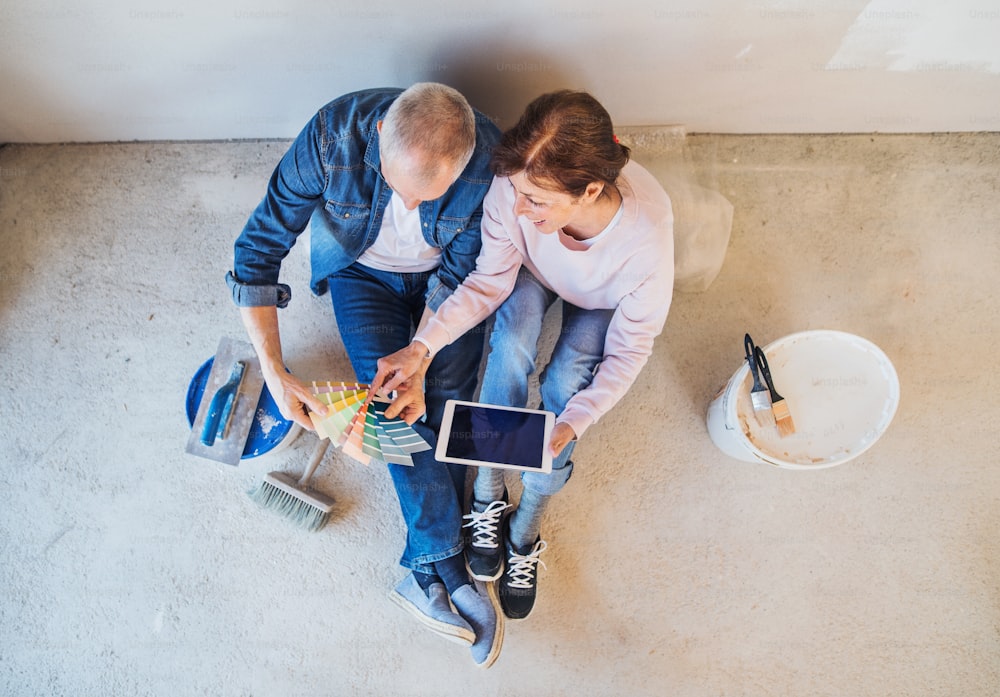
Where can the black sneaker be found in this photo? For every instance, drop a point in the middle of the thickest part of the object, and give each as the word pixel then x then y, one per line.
pixel 484 552
pixel 519 583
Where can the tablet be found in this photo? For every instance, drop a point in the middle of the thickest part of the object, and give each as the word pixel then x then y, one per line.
pixel 490 436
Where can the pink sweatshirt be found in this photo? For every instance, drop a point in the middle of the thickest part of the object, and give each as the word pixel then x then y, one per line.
pixel 629 268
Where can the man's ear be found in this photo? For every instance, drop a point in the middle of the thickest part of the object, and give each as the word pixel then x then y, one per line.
pixel 378 126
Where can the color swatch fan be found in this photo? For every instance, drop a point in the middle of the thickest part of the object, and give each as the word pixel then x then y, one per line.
pixel 360 427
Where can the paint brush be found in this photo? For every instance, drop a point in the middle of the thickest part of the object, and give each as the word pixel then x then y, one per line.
pixel 782 417
pixel 759 395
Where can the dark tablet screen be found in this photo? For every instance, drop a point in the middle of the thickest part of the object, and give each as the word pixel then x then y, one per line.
pixel 496 435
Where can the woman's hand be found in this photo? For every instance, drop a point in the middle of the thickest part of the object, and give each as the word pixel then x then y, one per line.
pixel 404 372
pixel 398 368
pixel 562 434
pixel 409 404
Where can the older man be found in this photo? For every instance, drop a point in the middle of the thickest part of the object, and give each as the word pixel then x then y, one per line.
pixel 392 183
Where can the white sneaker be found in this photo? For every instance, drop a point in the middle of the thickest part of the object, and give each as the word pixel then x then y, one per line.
pixel 484 553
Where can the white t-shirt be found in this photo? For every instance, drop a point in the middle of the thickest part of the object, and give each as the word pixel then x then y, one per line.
pixel 400 245
pixel 591 241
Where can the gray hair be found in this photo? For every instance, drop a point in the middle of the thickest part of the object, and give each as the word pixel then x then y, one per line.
pixel 434 125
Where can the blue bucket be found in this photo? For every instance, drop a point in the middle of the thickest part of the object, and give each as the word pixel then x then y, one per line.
pixel 269 429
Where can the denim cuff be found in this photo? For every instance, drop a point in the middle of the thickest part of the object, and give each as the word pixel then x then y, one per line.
pixel 252 295
pixel 437 292
pixel 548 484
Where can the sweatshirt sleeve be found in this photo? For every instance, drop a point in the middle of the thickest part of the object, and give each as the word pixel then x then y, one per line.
pixel 489 284
pixel 627 347
pixel 636 322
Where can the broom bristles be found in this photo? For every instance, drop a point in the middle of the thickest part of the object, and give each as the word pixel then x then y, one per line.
pixel 281 493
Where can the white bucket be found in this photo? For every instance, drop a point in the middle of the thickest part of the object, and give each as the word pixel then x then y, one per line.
pixel 842 392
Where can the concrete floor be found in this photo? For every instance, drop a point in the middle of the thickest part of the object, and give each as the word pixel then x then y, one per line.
pixel 131 568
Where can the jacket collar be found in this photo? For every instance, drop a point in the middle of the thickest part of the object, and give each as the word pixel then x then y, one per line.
pixel 373 157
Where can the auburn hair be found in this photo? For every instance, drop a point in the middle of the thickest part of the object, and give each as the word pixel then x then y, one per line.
pixel 564 138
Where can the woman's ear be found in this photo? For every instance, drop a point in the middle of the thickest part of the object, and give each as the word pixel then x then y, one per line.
pixel 593 192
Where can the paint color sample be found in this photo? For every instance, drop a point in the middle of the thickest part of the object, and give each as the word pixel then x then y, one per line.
pixel 358 425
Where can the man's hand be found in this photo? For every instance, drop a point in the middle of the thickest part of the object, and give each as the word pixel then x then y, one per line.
pixel 562 434
pixel 293 398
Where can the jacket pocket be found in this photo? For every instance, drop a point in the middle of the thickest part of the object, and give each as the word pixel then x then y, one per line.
pixel 449 228
pixel 348 216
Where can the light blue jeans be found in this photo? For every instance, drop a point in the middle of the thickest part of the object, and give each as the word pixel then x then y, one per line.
pixel 514 352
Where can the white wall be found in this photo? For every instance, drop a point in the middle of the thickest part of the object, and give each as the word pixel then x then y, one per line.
pixel 97 70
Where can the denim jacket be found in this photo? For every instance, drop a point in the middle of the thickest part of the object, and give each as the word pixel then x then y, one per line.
pixel 331 177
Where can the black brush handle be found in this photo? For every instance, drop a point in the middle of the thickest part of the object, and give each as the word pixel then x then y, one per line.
pixel 765 370
pixel 751 353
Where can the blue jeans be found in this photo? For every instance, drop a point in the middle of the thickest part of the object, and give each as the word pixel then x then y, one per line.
pixel 514 350
pixel 377 313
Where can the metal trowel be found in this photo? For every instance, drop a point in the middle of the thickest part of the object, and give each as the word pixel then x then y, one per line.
pixel 228 405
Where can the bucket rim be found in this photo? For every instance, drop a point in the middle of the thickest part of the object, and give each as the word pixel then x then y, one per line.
pixel 282 429
pixel 893 398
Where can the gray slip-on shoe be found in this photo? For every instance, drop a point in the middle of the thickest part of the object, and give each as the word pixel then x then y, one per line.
pixel 433 610
pixel 480 605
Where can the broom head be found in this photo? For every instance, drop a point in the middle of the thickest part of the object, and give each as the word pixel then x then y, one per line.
pixel 302 506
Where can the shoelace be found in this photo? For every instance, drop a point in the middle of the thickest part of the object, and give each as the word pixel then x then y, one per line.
pixel 521 568
pixel 484 524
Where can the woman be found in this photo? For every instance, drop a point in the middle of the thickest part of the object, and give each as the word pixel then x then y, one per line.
pixel 569 217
